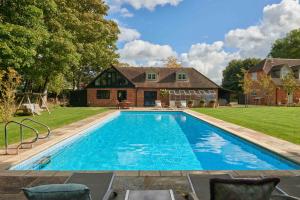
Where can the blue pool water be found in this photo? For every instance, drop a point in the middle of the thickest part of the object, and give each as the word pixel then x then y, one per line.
pixel 157 141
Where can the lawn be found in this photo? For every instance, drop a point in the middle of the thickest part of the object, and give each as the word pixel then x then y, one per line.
pixel 281 122
pixel 59 117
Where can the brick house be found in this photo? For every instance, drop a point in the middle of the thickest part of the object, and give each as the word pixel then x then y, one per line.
pixel 277 68
pixel 141 85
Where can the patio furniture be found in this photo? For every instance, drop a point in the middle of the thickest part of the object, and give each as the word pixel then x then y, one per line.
pixel 158 104
pixel 124 105
pixel 183 104
pixel 287 189
pixel 98 183
pixel 80 186
pixel 149 195
pixel 172 104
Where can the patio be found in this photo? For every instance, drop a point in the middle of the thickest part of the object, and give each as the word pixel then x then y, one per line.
pixel 11 183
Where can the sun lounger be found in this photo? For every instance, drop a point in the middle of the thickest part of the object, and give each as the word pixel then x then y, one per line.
pixel 172 104
pixel 183 104
pixel 158 104
pixel 287 189
pixel 200 185
pixel 149 195
pixel 98 183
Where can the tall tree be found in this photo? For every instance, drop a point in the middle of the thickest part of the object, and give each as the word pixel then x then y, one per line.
pixel 172 62
pixel 94 36
pixel 267 86
pixel 287 47
pixel 22 30
pixel 289 84
pixel 246 83
pixel 233 74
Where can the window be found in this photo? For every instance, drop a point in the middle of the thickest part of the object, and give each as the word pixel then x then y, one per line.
pixel 284 71
pixel 151 76
pixel 253 93
pixel 112 78
pixel 254 76
pixel 103 94
pixel 181 76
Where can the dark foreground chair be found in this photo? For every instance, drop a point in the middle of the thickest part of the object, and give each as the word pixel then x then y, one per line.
pixel 80 186
pixel 204 187
pixel 98 183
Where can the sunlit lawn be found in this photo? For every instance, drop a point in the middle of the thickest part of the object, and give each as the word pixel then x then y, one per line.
pixel 281 122
pixel 59 117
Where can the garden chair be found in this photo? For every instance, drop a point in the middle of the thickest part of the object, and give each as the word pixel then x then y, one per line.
pixel 158 104
pixel 80 186
pixel 223 186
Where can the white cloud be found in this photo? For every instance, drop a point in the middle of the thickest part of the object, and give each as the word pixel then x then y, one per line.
pixel 277 21
pixel 116 6
pixel 143 53
pixel 128 34
pixel 209 59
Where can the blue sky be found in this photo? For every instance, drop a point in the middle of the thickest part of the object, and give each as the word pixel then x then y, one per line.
pixel 204 34
pixel 193 21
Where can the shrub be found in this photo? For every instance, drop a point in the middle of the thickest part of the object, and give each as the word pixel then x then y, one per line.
pixel 9 81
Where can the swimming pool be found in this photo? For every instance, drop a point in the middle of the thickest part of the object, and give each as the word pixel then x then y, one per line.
pixel 155 141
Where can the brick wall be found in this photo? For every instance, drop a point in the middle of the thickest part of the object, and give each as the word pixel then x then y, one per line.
pixel 135 96
pixel 112 101
pixel 278 96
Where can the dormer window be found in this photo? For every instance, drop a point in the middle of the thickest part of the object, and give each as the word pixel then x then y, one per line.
pixel 284 71
pixel 181 76
pixel 151 76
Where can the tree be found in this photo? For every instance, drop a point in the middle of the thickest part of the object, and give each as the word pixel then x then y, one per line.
pixel 21 31
pixel 94 37
pixel 57 84
pixel 288 47
pixel 246 83
pixel 289 84
pixel 233 74
pixel 172 62
pixel 267 86
pixel 9 81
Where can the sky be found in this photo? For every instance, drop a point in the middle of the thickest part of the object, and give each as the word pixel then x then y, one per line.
pixel 204 34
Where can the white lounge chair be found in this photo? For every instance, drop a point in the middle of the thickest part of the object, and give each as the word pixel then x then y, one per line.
pixel 158 104
pixel 183 104
pixel 172 104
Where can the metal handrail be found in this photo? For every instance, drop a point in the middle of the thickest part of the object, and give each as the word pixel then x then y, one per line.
pixel 44 125
pixel 21 135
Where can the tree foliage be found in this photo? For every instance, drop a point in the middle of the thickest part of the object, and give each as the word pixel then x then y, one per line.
pixel 233 74
pixel 287 47
pixel 289 83
pixel 267 87
pixel 9 81
pixel 42 39
pixel 172 62
pixel 246 83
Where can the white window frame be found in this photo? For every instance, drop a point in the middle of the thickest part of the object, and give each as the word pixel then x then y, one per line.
pixel 254 76
pixel 151 76
pixel 181 76
pixel 284 71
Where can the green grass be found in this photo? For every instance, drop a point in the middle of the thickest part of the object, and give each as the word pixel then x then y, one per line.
pixel 280 122
pixel 59 117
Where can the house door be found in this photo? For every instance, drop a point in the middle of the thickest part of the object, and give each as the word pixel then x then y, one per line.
pixel 122 95
pixel 149 98
pixel 290 98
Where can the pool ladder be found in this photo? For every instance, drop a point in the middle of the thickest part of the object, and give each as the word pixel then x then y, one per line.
pixel 22 125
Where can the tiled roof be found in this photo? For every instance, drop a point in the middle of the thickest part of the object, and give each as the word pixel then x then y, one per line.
pixel 166 77
pixel 268 63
